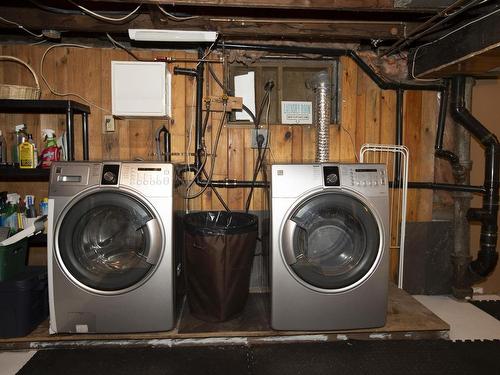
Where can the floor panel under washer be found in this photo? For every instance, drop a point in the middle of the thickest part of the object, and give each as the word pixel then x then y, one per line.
pixel 406 319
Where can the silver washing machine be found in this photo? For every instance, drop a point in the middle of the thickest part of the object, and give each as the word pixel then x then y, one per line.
pixel 110 247
pixel 330 246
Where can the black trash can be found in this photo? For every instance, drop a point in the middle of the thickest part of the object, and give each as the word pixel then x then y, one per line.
pixel 24 302
pixel 218 254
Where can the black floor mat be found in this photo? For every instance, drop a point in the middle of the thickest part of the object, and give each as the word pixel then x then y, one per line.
pixel 490 307
pixel 345 357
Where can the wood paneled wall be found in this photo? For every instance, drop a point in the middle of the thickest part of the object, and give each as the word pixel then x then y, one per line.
pixel 368 116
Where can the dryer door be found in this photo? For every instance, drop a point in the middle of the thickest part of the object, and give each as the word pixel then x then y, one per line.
pixel 331 240
pixel 108 241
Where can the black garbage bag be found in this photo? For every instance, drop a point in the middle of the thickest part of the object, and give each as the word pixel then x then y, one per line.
pixel 218 253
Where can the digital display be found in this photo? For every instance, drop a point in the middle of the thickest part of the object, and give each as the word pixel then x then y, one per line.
pixel 149 169
pixel 367 170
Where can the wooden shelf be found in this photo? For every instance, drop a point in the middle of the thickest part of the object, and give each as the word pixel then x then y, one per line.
pixel 42 106
pixel 25 175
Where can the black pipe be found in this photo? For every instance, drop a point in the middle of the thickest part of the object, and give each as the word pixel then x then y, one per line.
pixel 200 68
pixel 459 172
pixel 185 71
pixel 337 53
pixel 443 110
pixel 167 146
pixel 441 186
pixel 487 257
pixel 325 52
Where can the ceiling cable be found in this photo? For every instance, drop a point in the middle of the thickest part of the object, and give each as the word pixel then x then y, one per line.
pixel 58 93
pixel 422 30
pixel 22 28
pixel 174 17
pixel 121 46
pixel 104 18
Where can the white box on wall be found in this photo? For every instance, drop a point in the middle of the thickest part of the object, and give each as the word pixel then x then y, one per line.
pixel 140 88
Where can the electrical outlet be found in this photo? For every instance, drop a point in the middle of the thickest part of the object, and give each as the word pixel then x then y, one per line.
pixel 109 124
pixel 255 134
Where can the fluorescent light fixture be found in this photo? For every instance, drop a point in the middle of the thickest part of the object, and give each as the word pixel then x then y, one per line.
pixel 184 36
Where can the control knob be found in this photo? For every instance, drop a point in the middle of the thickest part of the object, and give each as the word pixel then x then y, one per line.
pixel 109 177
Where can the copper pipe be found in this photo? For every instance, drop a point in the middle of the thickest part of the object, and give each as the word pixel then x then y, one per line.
pixel 174 59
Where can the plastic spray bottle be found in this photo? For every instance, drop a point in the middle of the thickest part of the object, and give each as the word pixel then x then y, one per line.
pixel 51 152
pixel 21 136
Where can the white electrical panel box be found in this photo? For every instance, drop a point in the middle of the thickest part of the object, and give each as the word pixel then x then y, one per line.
pixel 140 88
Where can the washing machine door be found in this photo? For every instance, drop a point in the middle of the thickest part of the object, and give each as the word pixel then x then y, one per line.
pixel 108 241
pixel 331 241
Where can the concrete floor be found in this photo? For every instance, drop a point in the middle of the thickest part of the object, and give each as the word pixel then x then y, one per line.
pixel 466 321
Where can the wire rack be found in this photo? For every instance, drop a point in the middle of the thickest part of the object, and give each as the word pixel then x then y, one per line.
pixel 396 158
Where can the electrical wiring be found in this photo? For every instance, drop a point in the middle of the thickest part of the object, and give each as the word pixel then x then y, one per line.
pixel 174 17
pixel 207 53
pixel 104 18
pixel 204 126
pixel 260 156
pixel 121 46
pixel 53 9
pixel 39 42
pixel 57 93
pixel 444 37
pixel 228 92
pixel 22 28
pixel 352 142
pixel 202 169
pixel 212 156
pixel 261 152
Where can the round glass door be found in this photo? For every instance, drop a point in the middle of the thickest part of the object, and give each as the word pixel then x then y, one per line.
pixel 331 240
pixel 109 241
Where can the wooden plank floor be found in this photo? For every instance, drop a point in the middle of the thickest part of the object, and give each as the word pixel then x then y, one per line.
pixel 406 319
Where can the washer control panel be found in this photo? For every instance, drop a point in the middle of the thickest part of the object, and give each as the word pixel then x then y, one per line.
pixel 148 178
pixel 365 177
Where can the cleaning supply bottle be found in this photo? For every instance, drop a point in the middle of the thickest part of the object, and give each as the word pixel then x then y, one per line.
pixel 26 155
pixel 35 150
pixel 20 137
pixel 51 152
pixel 3 149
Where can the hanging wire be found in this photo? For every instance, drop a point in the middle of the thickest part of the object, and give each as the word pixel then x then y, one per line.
pixel 104 18
pixel 174 17
pixel 352 142
pixel 121 46
pixel 57 93
pixel 261 152
pixel 22 28
pixel 213 155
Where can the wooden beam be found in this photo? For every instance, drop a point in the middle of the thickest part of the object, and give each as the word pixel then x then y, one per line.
pixel 283 4
pixel 229 27
pixel 427 4
pixel 455 48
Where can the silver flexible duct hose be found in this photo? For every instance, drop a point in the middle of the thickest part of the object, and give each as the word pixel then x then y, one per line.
pixel 320 84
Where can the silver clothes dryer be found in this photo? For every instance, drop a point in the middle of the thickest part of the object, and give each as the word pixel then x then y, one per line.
pixel 110 247
pixel 330 246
